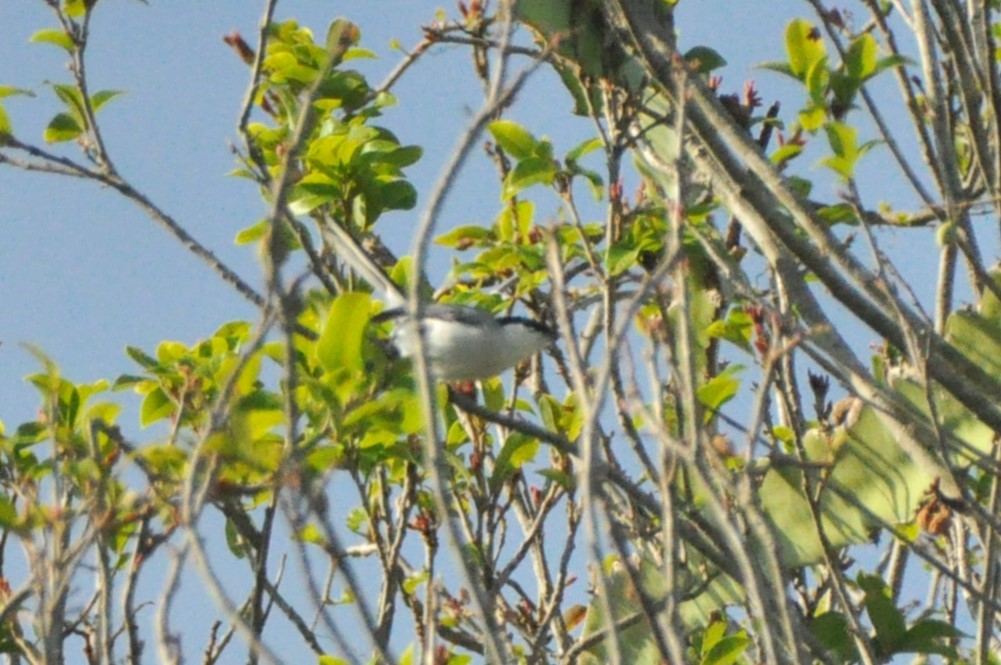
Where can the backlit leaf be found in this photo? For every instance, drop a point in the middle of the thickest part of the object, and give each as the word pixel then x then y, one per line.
pixel 804 46
pixel 513 138
pixel 156 406
pixel 63 127
pixel 704 59
pixel 340 343
pixel 55 37
pixel 528 172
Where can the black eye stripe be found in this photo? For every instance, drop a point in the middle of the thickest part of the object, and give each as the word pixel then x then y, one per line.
pixel 528 323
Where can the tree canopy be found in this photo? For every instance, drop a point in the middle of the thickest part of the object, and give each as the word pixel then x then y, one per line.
pixel 707 467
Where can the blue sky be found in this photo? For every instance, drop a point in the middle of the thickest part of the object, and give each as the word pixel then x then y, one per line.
pixel 83 273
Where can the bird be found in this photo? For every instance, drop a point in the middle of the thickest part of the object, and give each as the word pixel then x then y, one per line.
pixel 461 343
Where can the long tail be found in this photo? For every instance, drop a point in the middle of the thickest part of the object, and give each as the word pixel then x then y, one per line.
pixel 348 249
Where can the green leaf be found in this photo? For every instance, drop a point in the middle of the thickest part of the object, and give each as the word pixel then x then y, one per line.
pixel 801 187
pixel 169 352
pixel 571 418
pixel 398 195
pixel 55 37
pixel 928 636
pixel 583 149
pixel 635 643
pixel 76 8
pixel 844 89
pixel 818 81
pixel 713 634
pixel 28 434
pixel 405 155
pixel 832 631
pixel 234 541
pixel 49 365
pixel 10 91
pixel 305 198
pixel 164 460
pixel 736 329
pixel 283 67
pixel 63 127
pixel 779 67
pixel 73 100
pixel 356 53
pixel 891 61
pixel 977 337
pixel 548 411
pixel 156 406
pixel 786 152
pixel 844 143
pixel 515 220
pixel 513 138
pixel 561 478
pixel 356 520
pixel 464 237
pixel 861 58
pixel 528 172
pixel 310 533
pixel 990 305
pixel 141 357
pixel 5 127
pixel 101 98
pixel 719 390
pixel 812 118
pixel 342 33
pixel 518 450
pixel 886 618
pixel 843 139
pixel 804 47
pixel 704 59
pixel 493 393
pixel 252 233
pixel 413 582
pixel 125 381
pixel 727 650
pixel 340 343
pixel 8 514
pixel 594 182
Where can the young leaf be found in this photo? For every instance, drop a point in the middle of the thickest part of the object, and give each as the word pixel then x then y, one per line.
pixel 463 237
pixel 340 343
pixel 101 98
pixel 804 47
pixel 55 37
pixel 528 172
pixel 929 636
pixel 719 390
pixel 886 617
pixel 861 58
pixel 513 138
pixel 77 8
pixel 832 631
pixel 252 233
pixel 138 355
pixel 727 650
pixel 156 406
pixel 517 450
pixel 582 149
pixel 72 98
pixel 704 59
pixel 398 195
pixel 63 127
